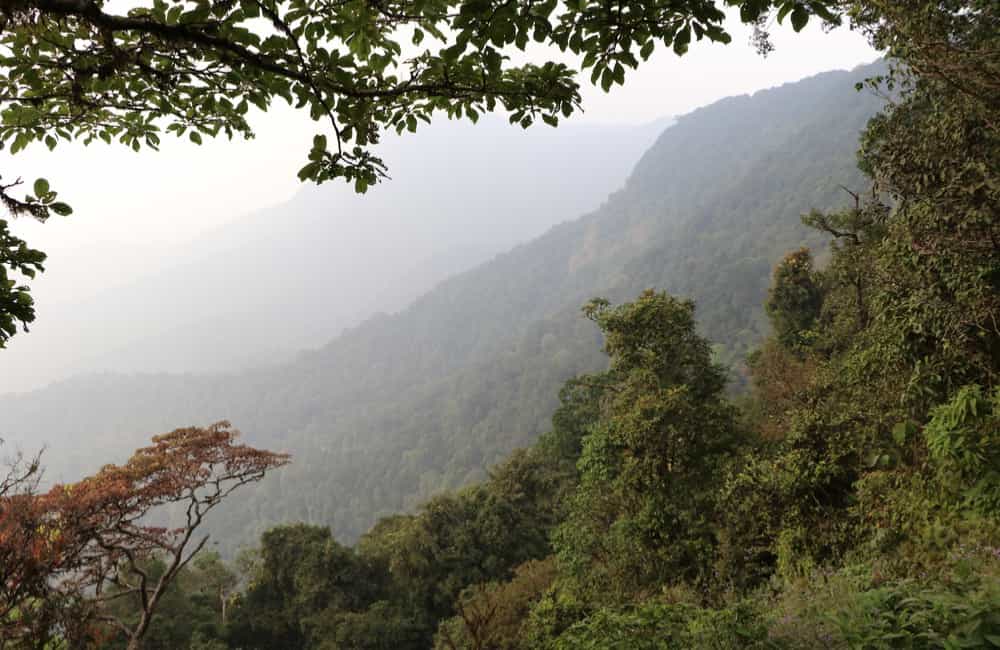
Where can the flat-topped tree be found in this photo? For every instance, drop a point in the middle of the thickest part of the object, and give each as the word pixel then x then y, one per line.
pixel 86 545
pixel 79 70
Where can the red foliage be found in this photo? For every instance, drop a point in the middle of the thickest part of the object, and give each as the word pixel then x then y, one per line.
pixel 66 552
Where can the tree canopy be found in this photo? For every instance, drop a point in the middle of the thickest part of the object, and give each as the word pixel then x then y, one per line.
pixel 74 69
pixel 78 70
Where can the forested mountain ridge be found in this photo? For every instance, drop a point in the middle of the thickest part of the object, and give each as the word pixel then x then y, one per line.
pixel 403 406
pixel 294 275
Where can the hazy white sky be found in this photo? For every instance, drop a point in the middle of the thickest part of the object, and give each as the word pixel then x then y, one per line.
pixel 130 204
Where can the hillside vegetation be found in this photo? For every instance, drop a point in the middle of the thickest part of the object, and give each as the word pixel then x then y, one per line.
pixel 850 500
pixel 751 402
pixel 295 275
pixel 404 406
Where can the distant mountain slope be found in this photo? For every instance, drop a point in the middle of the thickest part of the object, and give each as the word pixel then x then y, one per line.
pixel 291 277
pixel 405 405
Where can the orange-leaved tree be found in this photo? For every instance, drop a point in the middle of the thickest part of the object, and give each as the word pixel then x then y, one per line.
pixel 78 547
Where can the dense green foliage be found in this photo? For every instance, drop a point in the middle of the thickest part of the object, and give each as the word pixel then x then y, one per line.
pixel 404 406
pixel 307 591
pixel 16 303
pixel 794 301
pixel 850 500
pixel 193 610
pixel 194 68
pixel 642 511
pixel 18 262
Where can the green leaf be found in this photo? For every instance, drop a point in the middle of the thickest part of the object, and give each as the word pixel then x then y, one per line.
pixel 682 40
pixel 607 78
pixel 619 74
pixel 785 8
pixel 41 187
pixel 195 137
pixel 903 431
pixel 61 209
pixel 309 171
pixel 800 16
pixel 595 75
pixel 20 142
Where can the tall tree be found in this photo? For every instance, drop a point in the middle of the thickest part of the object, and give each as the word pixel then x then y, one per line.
pixel 642 515
pixel 794 301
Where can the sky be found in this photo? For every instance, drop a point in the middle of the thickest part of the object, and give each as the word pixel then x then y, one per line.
pixel 131 207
